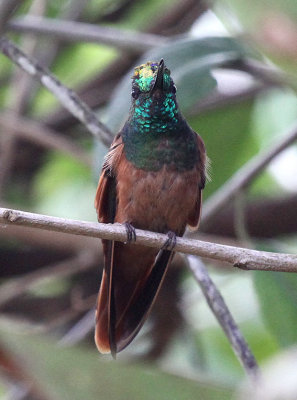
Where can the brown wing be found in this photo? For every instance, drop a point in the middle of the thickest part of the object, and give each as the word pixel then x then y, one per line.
pixel 194 217
pixel 132 274
pixel 105 199
pixel 105 204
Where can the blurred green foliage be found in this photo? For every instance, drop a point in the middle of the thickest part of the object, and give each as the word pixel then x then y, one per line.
pixel 78 373
pixel 277 293
pixel 228 139
pixel 64 187
pixel 68 68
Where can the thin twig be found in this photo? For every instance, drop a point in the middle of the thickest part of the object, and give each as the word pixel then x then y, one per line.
pixel 44 136
pixel 245 259
pixel 266 78
pixel 66 96
pixel 259 215
pixel 78 31
pixel 47 49
pixel 17 286
pixel 224 317
pixel 80 330
pixel 245 175
pixel 217 100
pixel 259 70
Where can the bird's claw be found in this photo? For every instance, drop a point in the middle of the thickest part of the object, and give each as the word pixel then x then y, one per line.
pixel 131 234
pixel 170 242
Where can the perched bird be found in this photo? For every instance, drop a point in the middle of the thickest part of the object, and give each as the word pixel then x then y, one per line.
pixel 151 179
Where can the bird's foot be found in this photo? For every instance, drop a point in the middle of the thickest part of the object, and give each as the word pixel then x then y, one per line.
pixel 170 242
pixel 131 234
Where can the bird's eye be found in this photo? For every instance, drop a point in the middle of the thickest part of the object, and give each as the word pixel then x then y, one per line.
pixel 173 89
pixel 135 92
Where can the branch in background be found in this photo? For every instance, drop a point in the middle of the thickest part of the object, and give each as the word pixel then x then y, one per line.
pixel 224 317
pixel 78 31
pixel 266 74
pixel 97 91
pixel 241 258
pixel 79 330
pixel 66 96
pixel 7 7
pixel 17 286
pixel 38 314
pixel 217 100
pixel 47 50
pixel 244 176
pixel 264 218
pixel 44 136
pixel 23 88
pixel 20 83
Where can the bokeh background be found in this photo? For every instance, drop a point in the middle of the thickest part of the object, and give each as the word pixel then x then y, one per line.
pixel 235 67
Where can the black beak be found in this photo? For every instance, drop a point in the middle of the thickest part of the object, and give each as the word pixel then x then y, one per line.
pixel 159 79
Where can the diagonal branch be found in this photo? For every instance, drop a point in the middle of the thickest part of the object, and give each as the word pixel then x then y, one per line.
pixel 41 134
pixel 18 286
pixel 66 96
pixel 224 317
pixel 245 259
pixel 245 175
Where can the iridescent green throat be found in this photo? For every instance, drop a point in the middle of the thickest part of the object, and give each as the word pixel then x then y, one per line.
pixel 152 117
pixel 156 134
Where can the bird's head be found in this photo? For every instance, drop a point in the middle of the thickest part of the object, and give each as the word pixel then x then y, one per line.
pixel 154 106
pixel 152 80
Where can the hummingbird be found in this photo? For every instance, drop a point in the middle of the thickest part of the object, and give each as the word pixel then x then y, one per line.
pixel 152 179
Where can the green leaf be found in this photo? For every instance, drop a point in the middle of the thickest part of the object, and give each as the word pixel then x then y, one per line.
pixel 277 292
pixel 268 129
pixel 64 187
pixel 68 68
pixel 195 76
pixel 219 356
pixel 79 373
pixel 56 172
pixel 228 139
